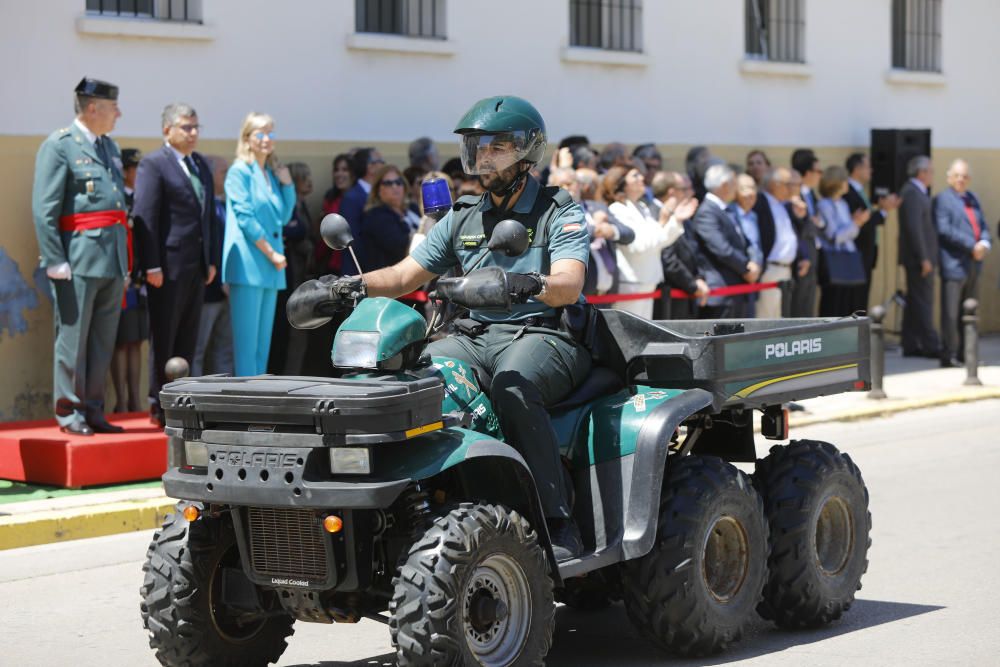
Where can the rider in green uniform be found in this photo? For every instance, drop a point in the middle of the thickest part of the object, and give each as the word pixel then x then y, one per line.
pixel 532 363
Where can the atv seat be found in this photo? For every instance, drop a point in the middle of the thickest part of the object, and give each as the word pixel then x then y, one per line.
pixel 601 382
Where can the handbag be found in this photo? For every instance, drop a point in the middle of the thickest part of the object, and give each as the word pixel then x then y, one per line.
pixel 841 267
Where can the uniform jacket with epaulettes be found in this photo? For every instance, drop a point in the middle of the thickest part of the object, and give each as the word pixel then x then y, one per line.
pixel 69 179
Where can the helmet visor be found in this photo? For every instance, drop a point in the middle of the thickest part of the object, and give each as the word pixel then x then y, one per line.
pixel 489 153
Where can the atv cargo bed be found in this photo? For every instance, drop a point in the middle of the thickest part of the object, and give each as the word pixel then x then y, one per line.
pixel 744 363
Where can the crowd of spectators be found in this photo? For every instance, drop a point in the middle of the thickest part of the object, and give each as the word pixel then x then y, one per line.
pixel 716 241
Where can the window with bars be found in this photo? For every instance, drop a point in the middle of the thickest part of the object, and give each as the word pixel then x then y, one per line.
pixel 183 11
pixel 775 30
pixel 916 35
pixel 615 25
pixel 410 18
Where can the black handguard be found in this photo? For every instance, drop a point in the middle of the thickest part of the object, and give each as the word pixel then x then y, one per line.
pixel 315 302
pixel 523 286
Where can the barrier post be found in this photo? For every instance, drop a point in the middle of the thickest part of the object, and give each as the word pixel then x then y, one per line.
pixel 877 316
pixel 970 320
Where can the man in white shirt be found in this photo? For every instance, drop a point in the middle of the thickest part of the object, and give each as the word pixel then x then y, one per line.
pixel 778 241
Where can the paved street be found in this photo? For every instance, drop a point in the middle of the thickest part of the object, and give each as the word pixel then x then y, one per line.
pixel 930 596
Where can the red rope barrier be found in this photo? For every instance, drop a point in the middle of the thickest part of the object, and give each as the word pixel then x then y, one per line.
pixel 729 290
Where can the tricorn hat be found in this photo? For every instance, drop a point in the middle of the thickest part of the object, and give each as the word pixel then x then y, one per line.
pixel 99 89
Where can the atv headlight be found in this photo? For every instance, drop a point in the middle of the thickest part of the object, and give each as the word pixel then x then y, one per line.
pixel 356 349
pixel 350 461
pixel 195 454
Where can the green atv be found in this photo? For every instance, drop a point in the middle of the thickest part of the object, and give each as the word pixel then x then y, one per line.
pixel 389 493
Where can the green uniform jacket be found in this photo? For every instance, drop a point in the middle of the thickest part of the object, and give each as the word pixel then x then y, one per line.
pixel 70 178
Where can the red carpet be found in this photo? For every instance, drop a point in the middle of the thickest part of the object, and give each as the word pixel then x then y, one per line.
pixel 38 452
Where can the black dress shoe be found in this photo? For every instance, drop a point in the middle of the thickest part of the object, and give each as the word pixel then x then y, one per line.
pixel 565 536
pixel 951 362
pixel 156 417
pixel 103 426
pixel 77 428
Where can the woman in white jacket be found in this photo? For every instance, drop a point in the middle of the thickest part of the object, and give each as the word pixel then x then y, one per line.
pixel 640 268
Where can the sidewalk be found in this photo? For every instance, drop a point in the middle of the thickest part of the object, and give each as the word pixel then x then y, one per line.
pixel 910 384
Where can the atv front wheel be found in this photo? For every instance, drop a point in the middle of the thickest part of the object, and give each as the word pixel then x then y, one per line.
pixel 182 604
pixel 817 507
pixel 474 589
pixel 696 590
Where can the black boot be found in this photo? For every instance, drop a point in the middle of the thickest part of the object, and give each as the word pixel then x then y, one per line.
pixel 565 537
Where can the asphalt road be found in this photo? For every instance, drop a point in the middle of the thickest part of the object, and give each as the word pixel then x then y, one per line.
pixel 930 596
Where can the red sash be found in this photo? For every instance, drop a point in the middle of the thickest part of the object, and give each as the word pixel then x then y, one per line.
pixel 96 220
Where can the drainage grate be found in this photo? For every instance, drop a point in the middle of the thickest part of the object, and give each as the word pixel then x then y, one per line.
pixel 287 543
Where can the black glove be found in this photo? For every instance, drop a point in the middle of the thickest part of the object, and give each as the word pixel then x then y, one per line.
pixel 344 288
pixel 522 286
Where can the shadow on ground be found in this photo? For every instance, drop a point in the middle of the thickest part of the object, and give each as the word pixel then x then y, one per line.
pixel 607 638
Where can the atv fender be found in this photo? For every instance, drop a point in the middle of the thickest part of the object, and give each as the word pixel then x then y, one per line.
pixel 650 463
pixel 488 470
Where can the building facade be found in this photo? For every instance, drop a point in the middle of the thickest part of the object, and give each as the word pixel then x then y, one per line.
pixel 730 74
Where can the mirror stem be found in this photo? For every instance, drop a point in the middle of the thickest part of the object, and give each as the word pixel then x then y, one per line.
pixel 356 263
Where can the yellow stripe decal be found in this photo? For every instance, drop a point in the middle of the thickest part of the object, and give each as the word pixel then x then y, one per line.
pixel 746 391
pixel 427 428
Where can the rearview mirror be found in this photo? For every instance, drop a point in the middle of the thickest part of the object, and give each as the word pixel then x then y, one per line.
pixel 336 232
pixel 509 237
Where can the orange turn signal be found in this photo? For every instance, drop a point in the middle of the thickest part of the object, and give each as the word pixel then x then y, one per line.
pixel 191 513
pixel 333 524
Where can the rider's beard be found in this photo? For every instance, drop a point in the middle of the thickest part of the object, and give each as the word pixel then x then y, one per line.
pixel 497 182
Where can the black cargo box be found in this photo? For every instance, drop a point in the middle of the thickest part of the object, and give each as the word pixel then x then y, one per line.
pixel 371 409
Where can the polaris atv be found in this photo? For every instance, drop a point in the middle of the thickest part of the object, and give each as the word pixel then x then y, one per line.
pixel 389 493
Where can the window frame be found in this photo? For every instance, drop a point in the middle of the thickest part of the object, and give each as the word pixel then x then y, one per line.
pixel 916 36
pixel 613 18
pixel 763 42
pixel 191 11
pixel 405 13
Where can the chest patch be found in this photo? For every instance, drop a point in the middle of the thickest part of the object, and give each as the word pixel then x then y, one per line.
pixel 471 240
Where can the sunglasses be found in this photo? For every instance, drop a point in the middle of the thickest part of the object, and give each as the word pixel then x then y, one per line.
pixel 260 136
pixel 393 181
pixel 189 128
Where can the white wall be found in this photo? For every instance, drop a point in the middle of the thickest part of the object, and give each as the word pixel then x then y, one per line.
pixel 291 59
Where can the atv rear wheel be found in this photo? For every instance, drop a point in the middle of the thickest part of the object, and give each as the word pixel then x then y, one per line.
pixel 817 507
pixel 473 589
pixel 182 605
pixel 696 590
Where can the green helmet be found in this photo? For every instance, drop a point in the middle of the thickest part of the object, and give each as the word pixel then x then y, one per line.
pixel 498 132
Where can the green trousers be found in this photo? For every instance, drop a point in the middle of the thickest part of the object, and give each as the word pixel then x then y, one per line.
pixel 532 369
pixel 86 319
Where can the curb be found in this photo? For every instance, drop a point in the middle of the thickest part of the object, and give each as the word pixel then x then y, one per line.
pixel 61 525
pixel 47 526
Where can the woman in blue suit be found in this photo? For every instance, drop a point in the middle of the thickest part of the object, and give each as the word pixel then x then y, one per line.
pixel 260 199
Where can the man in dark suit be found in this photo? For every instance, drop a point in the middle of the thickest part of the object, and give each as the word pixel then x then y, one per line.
pixel 964 241
pixel 918 254
pixel 806 164
pixel 175 224
pixel 681 268
pixel 860 170
pixel 364 163
pixel 721 244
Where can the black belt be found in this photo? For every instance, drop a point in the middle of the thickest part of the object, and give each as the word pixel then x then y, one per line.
pixel 471 327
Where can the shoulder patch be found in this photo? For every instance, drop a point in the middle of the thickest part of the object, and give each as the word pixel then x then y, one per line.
pixel 465 201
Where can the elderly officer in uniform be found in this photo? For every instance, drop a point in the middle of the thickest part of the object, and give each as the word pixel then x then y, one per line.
pixel 78 203
pixel 533 364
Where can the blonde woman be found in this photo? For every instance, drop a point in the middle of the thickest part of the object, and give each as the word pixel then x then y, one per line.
pixel 260 199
